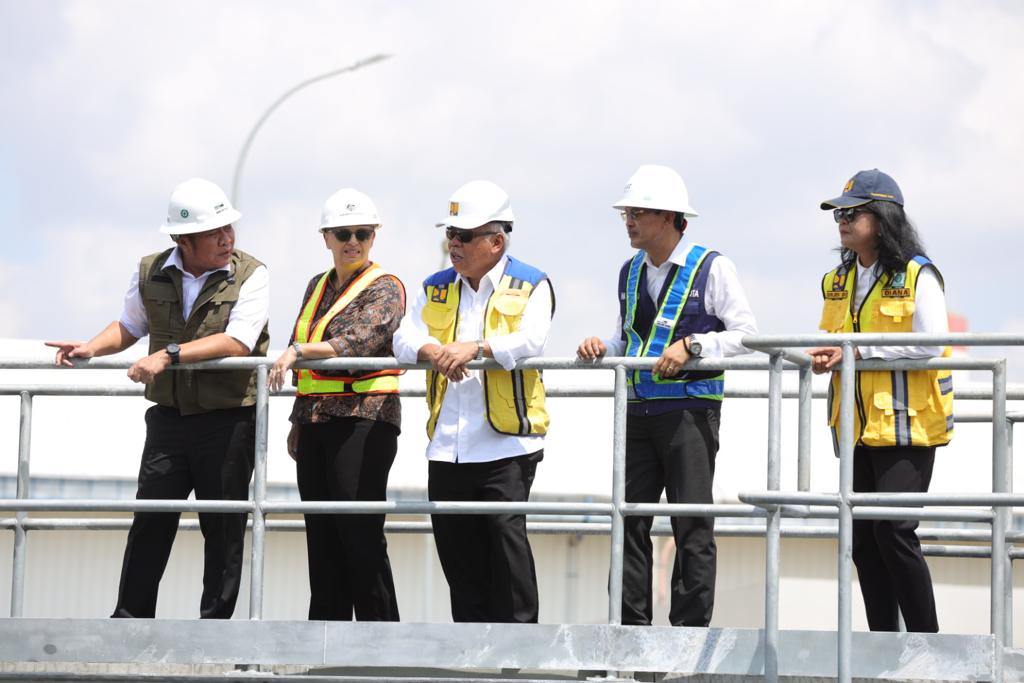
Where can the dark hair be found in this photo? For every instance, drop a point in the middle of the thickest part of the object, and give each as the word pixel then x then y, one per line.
pixel 679 220
pixel 898 241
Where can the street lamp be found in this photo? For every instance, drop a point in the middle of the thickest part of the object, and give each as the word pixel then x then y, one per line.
pixel 277 103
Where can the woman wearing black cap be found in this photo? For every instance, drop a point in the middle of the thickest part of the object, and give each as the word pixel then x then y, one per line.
pixel 885 283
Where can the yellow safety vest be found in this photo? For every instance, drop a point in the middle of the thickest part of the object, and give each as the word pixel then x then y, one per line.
pixel 898 407
pixel 312 382
pixel 515 400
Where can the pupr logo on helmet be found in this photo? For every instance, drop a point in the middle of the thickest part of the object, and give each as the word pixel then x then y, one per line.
pixel 184 213
pixel 350 207
pixel 848 186
pixel 453 208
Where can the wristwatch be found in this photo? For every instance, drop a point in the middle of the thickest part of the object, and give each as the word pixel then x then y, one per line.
pixel 297 349
pixel 479 350
pixel 694 346
pixel 174 351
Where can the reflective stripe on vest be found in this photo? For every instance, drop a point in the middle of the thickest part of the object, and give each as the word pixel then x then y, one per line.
pixel 514 399
pixel 641 383
pixel 898 407
pixel 312 382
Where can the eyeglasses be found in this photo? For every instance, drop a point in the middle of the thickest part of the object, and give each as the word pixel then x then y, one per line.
pixel 465 236
pixel 632 213
pixel 344 234
pixel 847 214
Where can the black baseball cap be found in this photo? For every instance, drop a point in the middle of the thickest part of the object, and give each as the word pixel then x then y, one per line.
pixel 866 186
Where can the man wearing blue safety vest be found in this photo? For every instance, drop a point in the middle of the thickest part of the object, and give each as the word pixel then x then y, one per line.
pixel 677 300
pixel 486 428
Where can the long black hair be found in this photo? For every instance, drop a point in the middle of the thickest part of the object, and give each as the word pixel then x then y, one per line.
pixel 898 241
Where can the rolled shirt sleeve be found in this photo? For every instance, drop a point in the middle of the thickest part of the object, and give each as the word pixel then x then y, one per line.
pixel 929 316
pixel 412 334
pixel 133 314
pixel 250 313
pixel 727 301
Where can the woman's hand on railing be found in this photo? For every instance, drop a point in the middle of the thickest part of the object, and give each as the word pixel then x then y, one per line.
pixel 275 379
pixel 825 358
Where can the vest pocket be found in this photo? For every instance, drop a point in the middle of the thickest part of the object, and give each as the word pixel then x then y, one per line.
pixel 894 316
pixel 438 318
pixel 833 315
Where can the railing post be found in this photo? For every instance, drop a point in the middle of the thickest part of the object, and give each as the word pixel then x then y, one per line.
pixel 773 529
pixel 1000 517
pixel 847 392
pixel 803 443
pixel 20 534
pixel 1008 589
pixel 259 496
pixel 618 497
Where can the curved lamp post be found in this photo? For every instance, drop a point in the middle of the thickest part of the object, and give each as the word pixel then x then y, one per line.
pixel 277 103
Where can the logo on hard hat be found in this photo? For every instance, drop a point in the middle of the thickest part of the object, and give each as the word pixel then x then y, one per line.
pixel 184 213
pixel 453 209
pixel 350 207
pixel 849 185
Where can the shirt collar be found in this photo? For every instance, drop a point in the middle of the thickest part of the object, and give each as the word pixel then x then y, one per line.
pixel 493 275
pixel 175 260
pixel 678 255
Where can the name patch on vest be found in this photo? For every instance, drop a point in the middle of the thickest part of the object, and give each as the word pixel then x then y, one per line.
pixel 439 294
pixel 896 293
pixel 837 295
pixel 663 323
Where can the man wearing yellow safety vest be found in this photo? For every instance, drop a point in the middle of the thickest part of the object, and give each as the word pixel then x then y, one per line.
pixel 885 283
pixel 677 300
pixel 486 428
pixel 200 300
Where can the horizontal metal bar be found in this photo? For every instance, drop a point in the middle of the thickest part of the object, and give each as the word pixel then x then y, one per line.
pixel 774 341
pixel 938 499
pixel 690 510
pixel 429 507
pixel 773 498
pixel 100 505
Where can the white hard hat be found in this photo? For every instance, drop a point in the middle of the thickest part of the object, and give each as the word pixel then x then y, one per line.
pixel 477 203
pixel 348 207
pixel 198 205
pixel 656 187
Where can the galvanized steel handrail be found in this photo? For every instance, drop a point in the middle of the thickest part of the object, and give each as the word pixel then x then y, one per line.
pixel 771 503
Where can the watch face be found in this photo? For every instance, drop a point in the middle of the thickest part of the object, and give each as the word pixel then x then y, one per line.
pixel 173 348
pixel 695 348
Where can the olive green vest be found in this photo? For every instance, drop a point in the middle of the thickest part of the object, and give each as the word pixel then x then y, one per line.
pixel 196 391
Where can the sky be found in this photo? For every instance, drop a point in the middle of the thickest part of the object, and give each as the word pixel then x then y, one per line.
pixel 764 108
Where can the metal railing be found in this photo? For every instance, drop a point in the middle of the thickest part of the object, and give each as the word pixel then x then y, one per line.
pixel 772 504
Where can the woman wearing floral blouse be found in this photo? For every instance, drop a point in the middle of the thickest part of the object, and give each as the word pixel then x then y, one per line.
pixel 345 425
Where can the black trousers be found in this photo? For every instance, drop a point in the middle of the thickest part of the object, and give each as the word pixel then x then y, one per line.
pixel 347 459
pixel 486 558
pixel 893 574
pixel 675 453
pixel 211 454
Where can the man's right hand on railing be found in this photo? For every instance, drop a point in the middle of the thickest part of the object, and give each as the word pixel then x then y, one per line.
pixel 592 348
pixel 66 350
pixel 825 358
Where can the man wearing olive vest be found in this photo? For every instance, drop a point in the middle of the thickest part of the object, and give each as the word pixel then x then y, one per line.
pixel 200 300
pixel 677 300
pixel 486 428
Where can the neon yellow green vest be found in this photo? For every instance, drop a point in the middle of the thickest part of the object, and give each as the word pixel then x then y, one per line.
pixel 515 400
pixel 312 382
pixel 894 408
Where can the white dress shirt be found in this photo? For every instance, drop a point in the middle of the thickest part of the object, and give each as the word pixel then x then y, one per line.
pixel 929 314
pixel 724 298
pixel 462 433
pixel 248 316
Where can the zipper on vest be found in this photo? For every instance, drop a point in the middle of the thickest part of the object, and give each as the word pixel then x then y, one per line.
pixel 858 397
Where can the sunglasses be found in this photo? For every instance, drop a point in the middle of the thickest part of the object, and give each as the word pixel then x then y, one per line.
pixel 632 214
pixel 344 234
pixel 847 214
pixel 465 236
